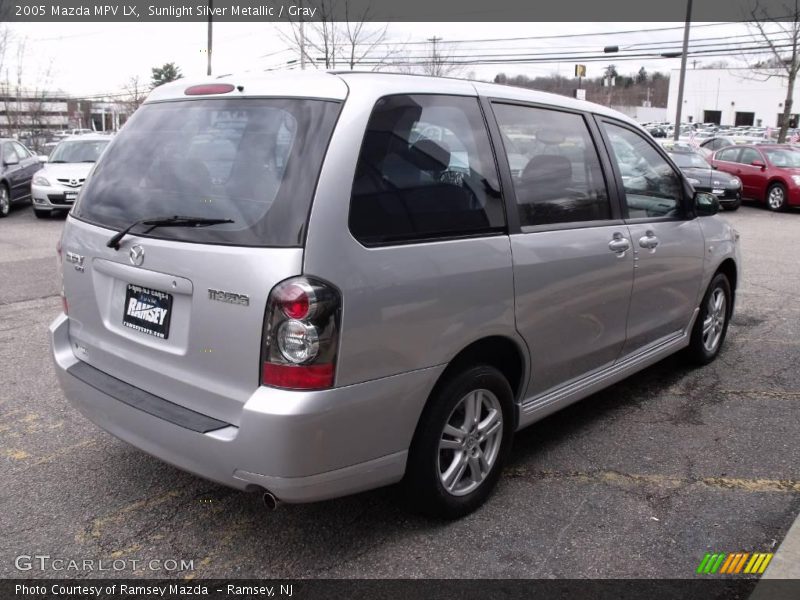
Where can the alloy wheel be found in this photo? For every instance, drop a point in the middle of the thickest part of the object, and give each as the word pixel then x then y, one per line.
pixel 470 442
pixel 776 198
pixel 714 322
pixel 5 205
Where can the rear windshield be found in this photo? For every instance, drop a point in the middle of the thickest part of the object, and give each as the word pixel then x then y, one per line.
pixel 254 161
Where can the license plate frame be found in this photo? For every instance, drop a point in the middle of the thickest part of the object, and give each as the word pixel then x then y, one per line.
pixel 147 310
pixel 717 191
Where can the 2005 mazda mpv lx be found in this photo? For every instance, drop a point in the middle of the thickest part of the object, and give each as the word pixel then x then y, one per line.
pixel 312 285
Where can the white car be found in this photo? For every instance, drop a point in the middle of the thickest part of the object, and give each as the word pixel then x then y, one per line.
pixel 56 186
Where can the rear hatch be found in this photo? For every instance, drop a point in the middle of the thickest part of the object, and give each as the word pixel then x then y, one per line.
pixel 178 309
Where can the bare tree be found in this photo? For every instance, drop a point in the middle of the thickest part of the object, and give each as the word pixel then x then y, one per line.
pixel 782 37
pixel 27 103
pixel 135 94
pixel 331 41
pixel 439 62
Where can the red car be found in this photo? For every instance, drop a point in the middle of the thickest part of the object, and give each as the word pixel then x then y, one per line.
pixel 770 173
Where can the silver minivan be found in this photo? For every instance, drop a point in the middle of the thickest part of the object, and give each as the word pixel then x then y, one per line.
pixel 311 285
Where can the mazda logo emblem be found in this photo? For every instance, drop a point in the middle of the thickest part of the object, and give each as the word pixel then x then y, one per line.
pixel 136 255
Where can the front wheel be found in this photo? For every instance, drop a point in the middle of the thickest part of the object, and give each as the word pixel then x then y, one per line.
pixel 712 323
pixel 5 201
pixel 461 441
pixel 776 197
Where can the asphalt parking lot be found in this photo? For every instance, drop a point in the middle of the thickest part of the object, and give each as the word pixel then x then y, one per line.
pixel 638 481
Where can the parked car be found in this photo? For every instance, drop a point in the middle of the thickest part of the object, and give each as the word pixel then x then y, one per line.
pixel 699 172
pixel 19 165
pixel 349 302
pixel 770 173
pixel 56 186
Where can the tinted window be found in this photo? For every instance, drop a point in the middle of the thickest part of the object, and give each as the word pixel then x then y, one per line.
pixel 554 166
pixel 749 155
pixel 652 188
pixel 425 170
pixel 729 154
pixel 255 161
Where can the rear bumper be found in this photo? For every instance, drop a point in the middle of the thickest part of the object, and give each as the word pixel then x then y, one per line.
pixel 301 446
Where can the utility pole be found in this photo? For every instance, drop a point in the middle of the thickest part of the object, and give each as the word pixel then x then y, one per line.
pixel 208 45
pixel 682 79
pixel 434 56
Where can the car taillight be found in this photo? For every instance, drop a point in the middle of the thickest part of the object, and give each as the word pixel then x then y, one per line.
pixel 301 334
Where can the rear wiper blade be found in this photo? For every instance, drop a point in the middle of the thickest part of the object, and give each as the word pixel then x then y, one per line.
pixel 176 221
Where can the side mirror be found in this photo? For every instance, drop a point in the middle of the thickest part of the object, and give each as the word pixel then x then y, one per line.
pixel 11 160
pixel 706 204
pixel 43 158
pixel 759 163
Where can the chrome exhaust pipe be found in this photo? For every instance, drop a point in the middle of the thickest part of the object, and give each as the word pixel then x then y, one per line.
pixel 270 502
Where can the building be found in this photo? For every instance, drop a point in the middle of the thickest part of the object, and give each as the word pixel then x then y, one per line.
pixel 731 97
pixel 25 111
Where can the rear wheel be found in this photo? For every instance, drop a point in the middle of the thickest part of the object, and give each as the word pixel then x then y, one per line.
pixel 461 441
pixel 711 325
pixel 776 197
pixel 5 201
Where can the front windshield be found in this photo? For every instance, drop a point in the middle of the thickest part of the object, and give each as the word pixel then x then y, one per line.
pixel 76 151
pixel 783 158
pixel 689 160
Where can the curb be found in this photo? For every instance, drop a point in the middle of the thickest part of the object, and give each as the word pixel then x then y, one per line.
pixel 786 562
pixel 784 565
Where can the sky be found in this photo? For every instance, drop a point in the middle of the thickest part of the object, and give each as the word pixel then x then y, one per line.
pixel 100 58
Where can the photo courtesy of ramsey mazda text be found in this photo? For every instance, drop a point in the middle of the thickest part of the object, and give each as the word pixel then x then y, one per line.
pixel 310 285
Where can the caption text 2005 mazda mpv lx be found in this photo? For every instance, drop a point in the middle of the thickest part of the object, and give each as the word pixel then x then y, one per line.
pixel 313 285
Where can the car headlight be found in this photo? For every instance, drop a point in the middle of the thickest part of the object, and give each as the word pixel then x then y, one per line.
pixel 693 181
pixel 40 180
pixel 796 179
pixel 737 182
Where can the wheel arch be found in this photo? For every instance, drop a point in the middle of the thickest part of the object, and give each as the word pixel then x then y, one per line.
pixel 499 351
pixel 728 268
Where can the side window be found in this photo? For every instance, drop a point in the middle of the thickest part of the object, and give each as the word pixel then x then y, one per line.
pixel 728 155
pixel 425 171
pixel 652 188
pixel 9 154
pixel 749 155
pixel 554 166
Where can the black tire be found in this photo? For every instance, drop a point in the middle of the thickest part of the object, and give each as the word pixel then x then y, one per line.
pixel 698 352
pixel 775 204
pixel 5 200
pixel 733 206
pixel 41 214
pixel 423 481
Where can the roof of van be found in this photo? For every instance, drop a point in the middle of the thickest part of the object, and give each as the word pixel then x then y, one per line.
pixel 335 85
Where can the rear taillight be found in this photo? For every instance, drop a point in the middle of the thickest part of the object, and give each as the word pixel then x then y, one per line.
pixel 301 335
pixel 60 271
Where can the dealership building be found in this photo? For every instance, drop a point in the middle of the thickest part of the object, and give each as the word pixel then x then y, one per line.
pixel 731 97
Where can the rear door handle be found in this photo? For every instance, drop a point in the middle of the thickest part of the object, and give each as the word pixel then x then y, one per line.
pixel 649 241
pixel 619 244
